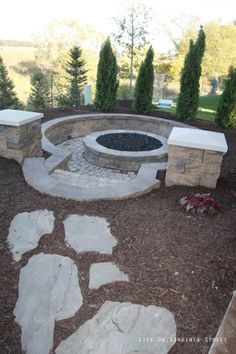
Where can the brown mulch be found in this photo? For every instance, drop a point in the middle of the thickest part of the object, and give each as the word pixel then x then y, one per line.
pixel 184 262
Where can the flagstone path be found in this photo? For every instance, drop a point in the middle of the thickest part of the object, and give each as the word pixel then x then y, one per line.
pixel 49 291
pixel 123 328
pixel 26 229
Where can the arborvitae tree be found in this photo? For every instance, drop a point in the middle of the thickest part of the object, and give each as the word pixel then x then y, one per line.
pixel 189 93
pixel 188 100
pixel 39 97
pixel 144 85
pixel 200 50
pixel 75 68
pixel 201 44
pixel 226 111
pixel 8 98
pixel 107 83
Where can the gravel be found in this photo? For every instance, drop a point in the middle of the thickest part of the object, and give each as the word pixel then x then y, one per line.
pixel 129 142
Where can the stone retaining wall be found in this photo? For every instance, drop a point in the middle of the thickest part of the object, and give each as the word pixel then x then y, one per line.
pixel 65 128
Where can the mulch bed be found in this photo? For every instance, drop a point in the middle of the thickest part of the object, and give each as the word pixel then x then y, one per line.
pixel 184 262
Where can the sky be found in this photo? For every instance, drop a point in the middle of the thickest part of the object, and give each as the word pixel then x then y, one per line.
pixel 21 18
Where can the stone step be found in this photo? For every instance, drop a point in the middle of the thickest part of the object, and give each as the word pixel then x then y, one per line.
pixel 82 180
pixel 37 177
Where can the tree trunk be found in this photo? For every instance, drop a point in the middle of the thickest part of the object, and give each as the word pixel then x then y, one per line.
pixel 131 57
pixel 131 75
pixel 51 90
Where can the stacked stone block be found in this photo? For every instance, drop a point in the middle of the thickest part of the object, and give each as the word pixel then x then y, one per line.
pixel 194 166
pixel 20 138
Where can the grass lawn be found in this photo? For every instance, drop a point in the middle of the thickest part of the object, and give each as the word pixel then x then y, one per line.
pixel 206 111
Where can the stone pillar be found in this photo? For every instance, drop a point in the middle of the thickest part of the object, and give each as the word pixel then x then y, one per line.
pixel 20 134
pixel 194 157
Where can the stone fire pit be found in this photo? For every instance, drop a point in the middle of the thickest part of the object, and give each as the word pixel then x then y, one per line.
pixel 124 149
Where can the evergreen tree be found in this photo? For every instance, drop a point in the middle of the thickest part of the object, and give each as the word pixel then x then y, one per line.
pixel 107 83
pixel 200 50
pixel 226 112
pixel 144 85
pixel 201 44
pixel 75 68
pixel 8 98
pixel 39 97
pixel 188 100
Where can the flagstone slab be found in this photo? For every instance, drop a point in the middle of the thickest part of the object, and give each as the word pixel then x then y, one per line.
pixel 49 290
pixel 104 273
pixel 26 230
pixel 89 234
pixel 123 328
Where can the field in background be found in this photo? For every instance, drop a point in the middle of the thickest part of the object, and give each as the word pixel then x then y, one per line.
pixel 207 108
pixel 13 57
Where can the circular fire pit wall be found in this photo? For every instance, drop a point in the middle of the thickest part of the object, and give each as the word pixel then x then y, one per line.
pixel 124 150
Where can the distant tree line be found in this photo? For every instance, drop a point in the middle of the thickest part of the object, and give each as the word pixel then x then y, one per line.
pixel 16 43
pixel 47 90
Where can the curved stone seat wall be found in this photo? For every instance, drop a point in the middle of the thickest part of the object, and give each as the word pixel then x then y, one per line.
pixel 65 128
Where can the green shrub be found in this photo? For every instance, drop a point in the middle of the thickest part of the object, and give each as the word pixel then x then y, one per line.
pixel 107 83
pixel 123 92
pixel 144 85
pixel 188 100
pixel 8 97
pixel 76 71
pixel 39 97
pixel 226 111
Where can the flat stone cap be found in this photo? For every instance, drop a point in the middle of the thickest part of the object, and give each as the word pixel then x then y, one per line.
pixel 17 118
pixel 199 139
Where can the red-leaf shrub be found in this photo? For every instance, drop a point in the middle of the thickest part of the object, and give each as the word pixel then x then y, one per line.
pixel 233 193
pixel 200 203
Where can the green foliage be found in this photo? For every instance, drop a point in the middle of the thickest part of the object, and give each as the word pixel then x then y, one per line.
pixel 52 51
pixel 123 92
pixel 8 98
pixel 144 85
pixel 188 100
pixel 201 44
pixel 131 33
pixel 107 83
pixel 39 97
pixel 77 77
pixel 220 50
pixel 226 112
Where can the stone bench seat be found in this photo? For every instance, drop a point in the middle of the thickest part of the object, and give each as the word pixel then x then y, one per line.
pixel 20 134
pixel 194 157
